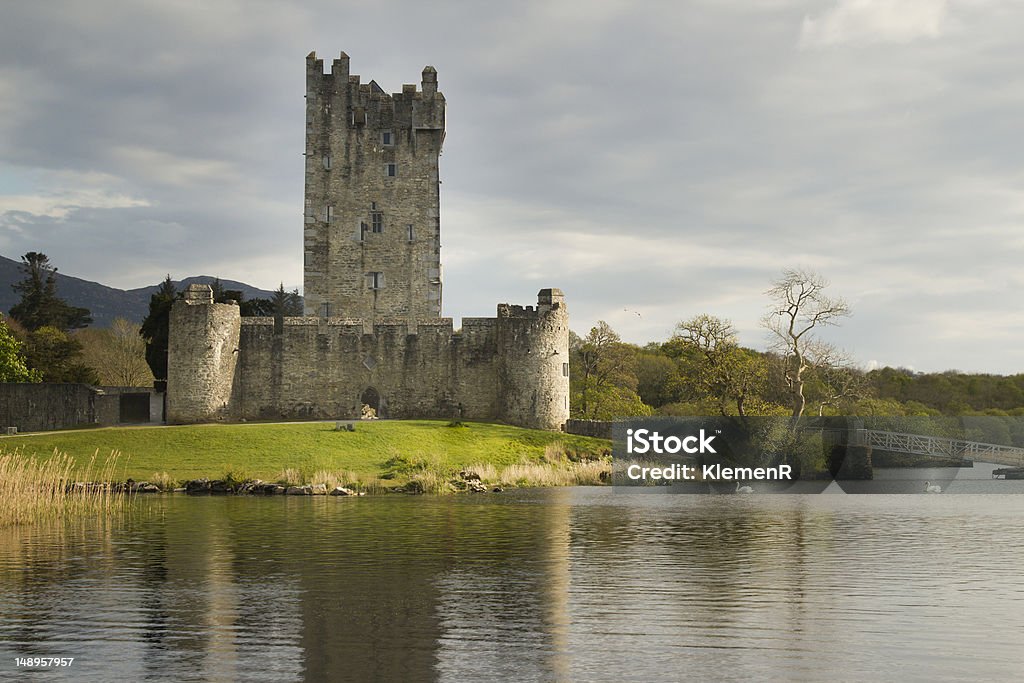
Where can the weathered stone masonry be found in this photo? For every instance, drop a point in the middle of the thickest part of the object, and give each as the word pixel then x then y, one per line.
pixel 510 368
pixel 372 212
pixel 371 334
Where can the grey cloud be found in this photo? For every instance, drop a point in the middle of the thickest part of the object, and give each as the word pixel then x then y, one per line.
pixel 667 159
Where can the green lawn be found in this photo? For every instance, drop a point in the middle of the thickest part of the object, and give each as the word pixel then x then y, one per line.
pixel 265 450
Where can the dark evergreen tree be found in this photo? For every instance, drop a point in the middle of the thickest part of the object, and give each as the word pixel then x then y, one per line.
pixel 155 331
pixel 282 304
pixel 40 306
pixel 286 304
pixel 56 355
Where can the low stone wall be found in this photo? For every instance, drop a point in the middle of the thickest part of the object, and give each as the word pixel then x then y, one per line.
pixel 600 429
pixel 44 407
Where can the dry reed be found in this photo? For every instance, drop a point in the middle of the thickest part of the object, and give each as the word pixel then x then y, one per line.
pixel 544 474
pixel 33 489
pixel 350 480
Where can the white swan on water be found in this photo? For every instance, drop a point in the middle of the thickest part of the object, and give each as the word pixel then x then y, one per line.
pixel 932 488
pixel 743 489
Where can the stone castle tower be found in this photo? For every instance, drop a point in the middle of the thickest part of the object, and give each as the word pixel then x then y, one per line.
pixel 372 214
pixel 372 332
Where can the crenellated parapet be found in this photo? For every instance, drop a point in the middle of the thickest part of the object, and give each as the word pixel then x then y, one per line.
pixel 372 332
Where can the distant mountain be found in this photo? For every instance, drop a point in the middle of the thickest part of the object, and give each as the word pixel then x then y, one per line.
pixel 106 303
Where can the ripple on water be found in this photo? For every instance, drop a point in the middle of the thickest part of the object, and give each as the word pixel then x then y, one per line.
pixel 566 584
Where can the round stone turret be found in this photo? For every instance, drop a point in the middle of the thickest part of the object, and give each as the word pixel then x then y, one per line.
pixel 533 366
pixel 201 357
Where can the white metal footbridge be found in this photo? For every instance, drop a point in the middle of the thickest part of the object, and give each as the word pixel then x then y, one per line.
pixel 938 446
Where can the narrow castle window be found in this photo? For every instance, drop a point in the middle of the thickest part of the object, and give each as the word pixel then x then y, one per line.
pixel 375 280
pixel 412 235
pixel 377 221
pixel 327 162
pixel 363 227
pixel 325 310
pixel 386 138
pixel 328 213
pixel 391 170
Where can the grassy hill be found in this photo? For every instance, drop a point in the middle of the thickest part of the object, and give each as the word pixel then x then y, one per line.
pixel 383 453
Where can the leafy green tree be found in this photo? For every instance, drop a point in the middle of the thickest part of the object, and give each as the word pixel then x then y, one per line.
pixel 13 367
pixel 657 376
pixel 603 379
pixel 40 306
pixel 56 355
pixel 724 371
pixel 155 331
pixel 836 383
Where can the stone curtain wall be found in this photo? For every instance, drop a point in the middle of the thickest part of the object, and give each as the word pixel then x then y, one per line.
pixel 597 428
pixel 43 407
pixel 507 369
pixel 319 368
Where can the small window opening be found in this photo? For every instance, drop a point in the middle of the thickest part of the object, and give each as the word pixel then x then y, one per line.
pixel 391 170
pixel 386 138
pixel 411 232
pixel 327 162
pixel 377 221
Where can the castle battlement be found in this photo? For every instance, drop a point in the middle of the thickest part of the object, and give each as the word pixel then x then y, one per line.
pixel 372 253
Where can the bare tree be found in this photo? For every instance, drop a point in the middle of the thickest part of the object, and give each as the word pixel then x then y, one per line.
pixel 799 307
pixel 727 372
pixel 836 376
pixel 118 354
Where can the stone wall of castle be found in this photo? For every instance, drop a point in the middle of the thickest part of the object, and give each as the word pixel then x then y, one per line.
pixel 372 285
pixel 372 202
pixel 510 368
pixel 202 356
pixel 533 367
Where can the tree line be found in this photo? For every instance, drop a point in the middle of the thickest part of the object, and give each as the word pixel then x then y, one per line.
pixel 702 369
pixel 45 339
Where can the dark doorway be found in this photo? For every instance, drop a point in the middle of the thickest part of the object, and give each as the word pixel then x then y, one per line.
pixel 134 408
pixel 371 398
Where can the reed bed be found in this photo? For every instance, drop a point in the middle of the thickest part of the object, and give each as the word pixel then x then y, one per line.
pixel 353 480
pixel 36 489
pixel 592 473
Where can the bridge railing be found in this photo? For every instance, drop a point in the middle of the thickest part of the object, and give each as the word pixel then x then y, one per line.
pixel 935 445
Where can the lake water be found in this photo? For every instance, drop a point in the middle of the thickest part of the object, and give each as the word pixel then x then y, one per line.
pixel 584 584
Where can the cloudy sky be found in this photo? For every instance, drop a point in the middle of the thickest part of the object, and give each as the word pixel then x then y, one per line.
pixel 655 160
